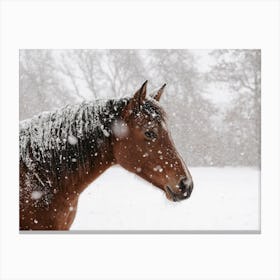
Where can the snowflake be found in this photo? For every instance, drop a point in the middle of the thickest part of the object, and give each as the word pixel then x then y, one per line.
pixel 158 168
pixel 35 195
pixel 72 140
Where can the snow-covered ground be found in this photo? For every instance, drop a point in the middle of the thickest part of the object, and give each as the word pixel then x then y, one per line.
pixel 223 199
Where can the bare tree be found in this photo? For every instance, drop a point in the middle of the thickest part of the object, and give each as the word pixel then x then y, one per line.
pixel 189 112
pixel 39 84
pixel 111 73
pixel 241 71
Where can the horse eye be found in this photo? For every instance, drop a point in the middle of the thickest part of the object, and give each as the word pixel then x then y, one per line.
pixel 150 134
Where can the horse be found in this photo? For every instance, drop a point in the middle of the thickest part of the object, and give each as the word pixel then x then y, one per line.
pixel 63 151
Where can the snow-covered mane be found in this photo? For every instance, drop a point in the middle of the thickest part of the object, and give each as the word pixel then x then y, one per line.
pixel 42 136
pixel 60 141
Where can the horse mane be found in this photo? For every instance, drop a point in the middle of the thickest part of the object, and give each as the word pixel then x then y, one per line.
pixel 54 145
pixel 53 136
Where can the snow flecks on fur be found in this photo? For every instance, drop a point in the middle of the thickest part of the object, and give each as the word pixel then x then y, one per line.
pixel 158 168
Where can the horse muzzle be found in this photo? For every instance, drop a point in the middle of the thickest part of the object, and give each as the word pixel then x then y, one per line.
pixel 182 191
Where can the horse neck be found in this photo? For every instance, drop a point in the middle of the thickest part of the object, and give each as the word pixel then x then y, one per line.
pixel 95 151
pixel 93 162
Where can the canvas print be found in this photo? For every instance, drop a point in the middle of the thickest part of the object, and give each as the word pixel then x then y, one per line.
pixel 139 140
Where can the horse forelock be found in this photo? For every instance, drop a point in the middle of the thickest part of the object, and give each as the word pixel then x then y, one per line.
pixel 153 110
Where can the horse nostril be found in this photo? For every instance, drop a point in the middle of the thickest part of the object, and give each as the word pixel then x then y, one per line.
pixel 186 186
pixel 182 185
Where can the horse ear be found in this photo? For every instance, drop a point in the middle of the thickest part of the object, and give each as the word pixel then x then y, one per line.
pixel 140 95
pixel 136 101
pixel 159 93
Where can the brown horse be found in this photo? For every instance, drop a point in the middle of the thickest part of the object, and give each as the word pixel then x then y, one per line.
pixel 62 152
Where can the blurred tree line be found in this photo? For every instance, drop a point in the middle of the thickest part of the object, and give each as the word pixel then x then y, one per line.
pixel 205 132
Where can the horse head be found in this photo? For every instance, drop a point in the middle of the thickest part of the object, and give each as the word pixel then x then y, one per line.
pixel 142 144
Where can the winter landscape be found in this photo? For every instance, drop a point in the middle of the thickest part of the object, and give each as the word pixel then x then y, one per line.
pixel 212 101
pixel 223 199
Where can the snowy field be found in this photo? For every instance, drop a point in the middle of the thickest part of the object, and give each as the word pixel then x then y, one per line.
pixel 223 199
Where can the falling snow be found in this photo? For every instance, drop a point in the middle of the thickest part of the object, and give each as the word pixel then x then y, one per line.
pixel 120 129
pixel 206 127
pixel 72 140
pixel 36 195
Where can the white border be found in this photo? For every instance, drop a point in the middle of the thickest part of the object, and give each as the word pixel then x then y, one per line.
pixel 159 24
